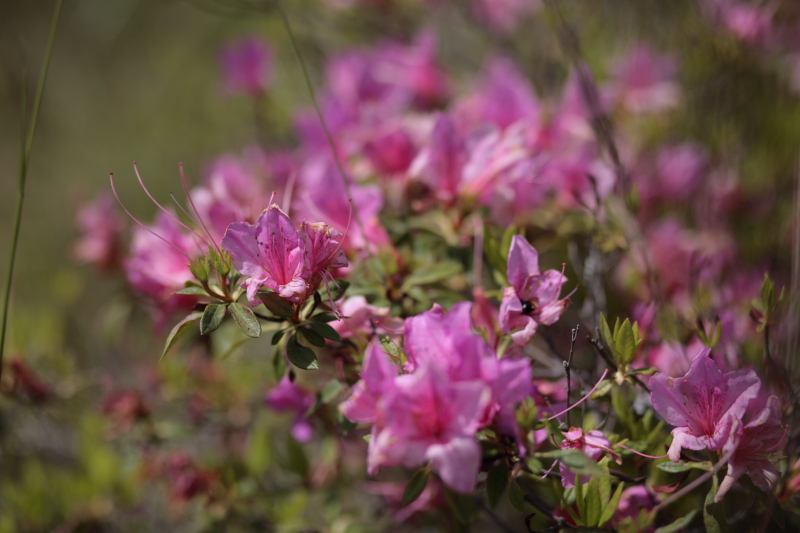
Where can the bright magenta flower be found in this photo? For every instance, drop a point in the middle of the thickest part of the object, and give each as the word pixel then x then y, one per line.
pixel 290 397
pixel 429 418
pixel 274 254
pixel 532 298
pixel 703 404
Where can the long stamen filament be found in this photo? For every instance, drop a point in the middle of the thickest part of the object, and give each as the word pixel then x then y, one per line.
pixel 184 182
pixel 576 404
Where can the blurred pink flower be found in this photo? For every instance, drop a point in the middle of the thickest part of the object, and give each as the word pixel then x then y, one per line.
pixel 645 82
pixel 290 397
pixel 100 227
pixel 378 374
pixel 703 404
pixel 505 15
pixel 594 444
pixel 365 319
pixel 247 67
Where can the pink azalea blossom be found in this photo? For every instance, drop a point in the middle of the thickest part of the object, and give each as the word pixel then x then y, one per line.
pixel 633 501
pixel 505 15
pixel 703 404
pixel 532 298
pixel 274 254
pixel 290 397
pixel 645 82
pixel 378 374
pixel 755 446
pixel 594 444
pixel 247 67
pixel 428 418
pixel 365 319
pixel 101 230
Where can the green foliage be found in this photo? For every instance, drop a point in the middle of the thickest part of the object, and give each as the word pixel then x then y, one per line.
pixel 179 329
pixel 416 485
pixel 245 319
pixel 301 356
pixel 212 318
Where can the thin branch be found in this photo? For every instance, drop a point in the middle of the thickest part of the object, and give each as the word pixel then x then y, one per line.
pixel 567 364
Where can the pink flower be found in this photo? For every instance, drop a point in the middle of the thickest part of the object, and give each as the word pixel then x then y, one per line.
pixel 365 319
pixel 429 418
pixel 290 397
pixel 593 444
pixel 703 404
pixel 247 67
pixel 532 298
pixel 633 501
pixel 645 82
pixel 377 378
pixel 274 254
pixel 505 15
pixel 755 447
pixel 101 233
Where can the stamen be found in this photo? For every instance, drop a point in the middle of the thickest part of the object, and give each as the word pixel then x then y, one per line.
pixel 173 217
pixel 197 241
pixel 111 177
pixel 287 195
pixel 640 453
pixel 184 182
pixel 576 404
pixel 346 230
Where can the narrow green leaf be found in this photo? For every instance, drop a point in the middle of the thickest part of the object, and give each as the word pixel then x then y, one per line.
pixel 277 305
pixel 212 318
pixel 580 500
pixel 246 320
pixel 197 291
pixel 611 506
pixel 678 525
pixel 179 329
pixel 576 460
pixel 516 497
pixel 714 513
pixel 393 349
pixel 324 317
pixel 312 336
pixel 463 505
pixel 301 356
pixel 496 483
pixel 605 332
pixel 298 461
pixel 594 507
pixel 432 274
pixel 604 388
pixel 676 468
pixel 278 335
pixel 625 343
pixel 325 330
pixel 416 485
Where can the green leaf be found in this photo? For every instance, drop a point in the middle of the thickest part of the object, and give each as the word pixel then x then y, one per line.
pixel 195 291
pixel 580 500
pixel 212 318
pixel 463 505
pixel 611 506
pixel 648 371
pixel 324 317
pixel 278 335
pixel 516 497
pixel 301 356
pixel 625 343
pixel 393 349
pixel 416 485
pixel 594 507
pixel 325 330
pixel 432 274
pixel 605 332
pixel 179 329
pixel 714 513
pixel 277 305
pixel 312 336
pixel 298 462
pixel 246 320
pixel 676 468
pixel 604 388
pixel 678 525
pixel 331 391
pixel 496 483
pixel 576 460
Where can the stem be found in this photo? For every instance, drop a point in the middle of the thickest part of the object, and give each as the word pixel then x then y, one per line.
pixel 25 157
pixel 328 136
pixel 567 365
